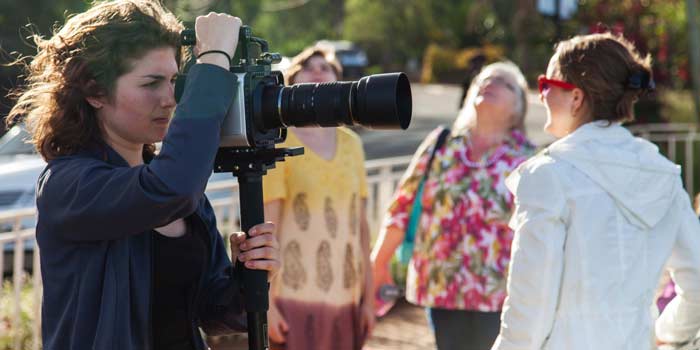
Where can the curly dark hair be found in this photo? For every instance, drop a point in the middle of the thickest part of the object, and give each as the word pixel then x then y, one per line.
pixel 83 59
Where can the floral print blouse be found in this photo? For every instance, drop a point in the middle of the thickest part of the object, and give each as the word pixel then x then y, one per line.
pixel 462 245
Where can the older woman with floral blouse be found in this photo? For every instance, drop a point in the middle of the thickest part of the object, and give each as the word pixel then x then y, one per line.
pixel 462 243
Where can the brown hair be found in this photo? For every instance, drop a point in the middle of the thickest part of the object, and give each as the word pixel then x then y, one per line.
pixel 83 59
pixel 609 70
pixel 300 60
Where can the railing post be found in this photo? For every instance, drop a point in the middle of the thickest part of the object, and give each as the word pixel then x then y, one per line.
pixel 386 190
pixel 2 265
pixel 36 279
pixel 689 152
pixel 672 148
pixel 235 213
pixel 17 271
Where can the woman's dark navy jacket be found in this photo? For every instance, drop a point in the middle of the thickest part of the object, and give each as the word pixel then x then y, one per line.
pixel 95 221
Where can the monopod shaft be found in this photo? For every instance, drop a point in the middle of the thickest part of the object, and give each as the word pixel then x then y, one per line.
pixel 255 285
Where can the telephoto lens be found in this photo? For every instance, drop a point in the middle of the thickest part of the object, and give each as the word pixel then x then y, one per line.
pixel 380 101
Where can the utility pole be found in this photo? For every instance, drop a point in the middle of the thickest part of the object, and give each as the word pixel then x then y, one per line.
pixel 557 20
pixel 694 46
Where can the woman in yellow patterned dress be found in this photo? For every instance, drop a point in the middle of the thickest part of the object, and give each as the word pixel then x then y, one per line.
pixel 322 300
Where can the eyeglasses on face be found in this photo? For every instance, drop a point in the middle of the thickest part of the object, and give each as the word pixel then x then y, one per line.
pixel 543 83
pixel 498 80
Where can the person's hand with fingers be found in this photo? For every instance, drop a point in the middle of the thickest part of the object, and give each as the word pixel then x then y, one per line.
pixel 260 251
pixel 277 325
pixel 368 315
pixel 217 38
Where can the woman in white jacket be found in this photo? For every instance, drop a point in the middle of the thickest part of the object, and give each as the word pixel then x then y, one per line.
pixel 599 214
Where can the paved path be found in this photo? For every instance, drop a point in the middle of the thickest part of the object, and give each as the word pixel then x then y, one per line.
pixel 403 328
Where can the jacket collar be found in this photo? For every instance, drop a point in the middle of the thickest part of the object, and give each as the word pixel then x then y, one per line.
pixel 101 150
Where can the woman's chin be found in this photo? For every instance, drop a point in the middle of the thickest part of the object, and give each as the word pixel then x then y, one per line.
pixel 154 139
pixel 549 128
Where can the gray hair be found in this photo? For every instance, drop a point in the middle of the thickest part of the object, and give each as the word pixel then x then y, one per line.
pixel 467 113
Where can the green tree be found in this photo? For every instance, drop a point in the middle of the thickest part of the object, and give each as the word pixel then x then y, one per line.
pixel 392 31
pixel 658 27
pixel 18 21
pixel 289 28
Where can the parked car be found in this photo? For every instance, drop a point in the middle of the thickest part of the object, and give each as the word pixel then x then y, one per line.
pixel 351 57
pixel 19 168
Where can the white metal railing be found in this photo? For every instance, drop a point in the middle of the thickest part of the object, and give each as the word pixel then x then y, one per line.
pixel 678 142
pixel 382 177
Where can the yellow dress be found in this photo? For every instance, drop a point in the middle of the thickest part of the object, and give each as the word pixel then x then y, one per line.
pixel 322 279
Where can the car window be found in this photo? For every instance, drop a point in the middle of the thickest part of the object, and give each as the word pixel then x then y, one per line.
pixel 15 142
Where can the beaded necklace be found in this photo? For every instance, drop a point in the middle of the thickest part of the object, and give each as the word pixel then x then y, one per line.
pixel 480 164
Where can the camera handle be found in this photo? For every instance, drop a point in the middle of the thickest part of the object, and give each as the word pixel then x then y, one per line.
pixel 249 165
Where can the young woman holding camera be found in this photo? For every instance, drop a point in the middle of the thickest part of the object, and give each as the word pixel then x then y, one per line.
pixel 598 216
pixel 130 254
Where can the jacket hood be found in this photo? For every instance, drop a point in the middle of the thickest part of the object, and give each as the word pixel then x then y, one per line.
pixel 630 169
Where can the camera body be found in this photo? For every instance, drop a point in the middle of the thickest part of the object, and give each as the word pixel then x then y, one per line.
pixel 252 65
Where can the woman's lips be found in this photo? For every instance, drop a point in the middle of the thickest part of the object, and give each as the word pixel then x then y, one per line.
pixel 164 120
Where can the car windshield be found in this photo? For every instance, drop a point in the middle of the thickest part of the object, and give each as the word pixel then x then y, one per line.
pixel 14 142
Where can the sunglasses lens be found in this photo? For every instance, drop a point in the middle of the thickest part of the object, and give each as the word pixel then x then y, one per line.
pixel 540 83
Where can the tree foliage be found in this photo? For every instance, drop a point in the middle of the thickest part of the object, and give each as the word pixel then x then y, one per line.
pixel 397 32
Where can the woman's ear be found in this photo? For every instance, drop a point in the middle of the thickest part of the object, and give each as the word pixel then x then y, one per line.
pixel 577 101
pixel 95 102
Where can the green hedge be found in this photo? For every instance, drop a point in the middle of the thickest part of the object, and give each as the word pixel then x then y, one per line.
pixel 447 65
pixel 9 330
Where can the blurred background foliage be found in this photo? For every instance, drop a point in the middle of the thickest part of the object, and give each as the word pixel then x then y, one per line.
pixel 432 40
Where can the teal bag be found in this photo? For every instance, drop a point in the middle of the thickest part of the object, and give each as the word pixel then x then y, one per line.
pixel 405 250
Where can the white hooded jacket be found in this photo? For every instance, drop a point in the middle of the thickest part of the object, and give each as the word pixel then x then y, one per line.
pixel 599 214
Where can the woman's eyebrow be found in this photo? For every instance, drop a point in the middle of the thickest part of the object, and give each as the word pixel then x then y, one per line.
pixel 158 77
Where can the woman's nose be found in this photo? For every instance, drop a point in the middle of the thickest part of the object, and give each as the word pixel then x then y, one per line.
pixel 317 72
pixel 168 99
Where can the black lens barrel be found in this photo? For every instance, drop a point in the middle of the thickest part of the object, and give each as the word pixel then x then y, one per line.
pixel 381 101
pixel 384 101
pixel 325 104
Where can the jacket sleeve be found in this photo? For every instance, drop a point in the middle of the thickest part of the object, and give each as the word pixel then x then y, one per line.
pixel 86 199
pixel 537 256
pixel 222 309
pixel 680 320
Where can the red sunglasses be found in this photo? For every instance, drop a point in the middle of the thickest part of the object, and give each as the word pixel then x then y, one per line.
pixel 543 84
